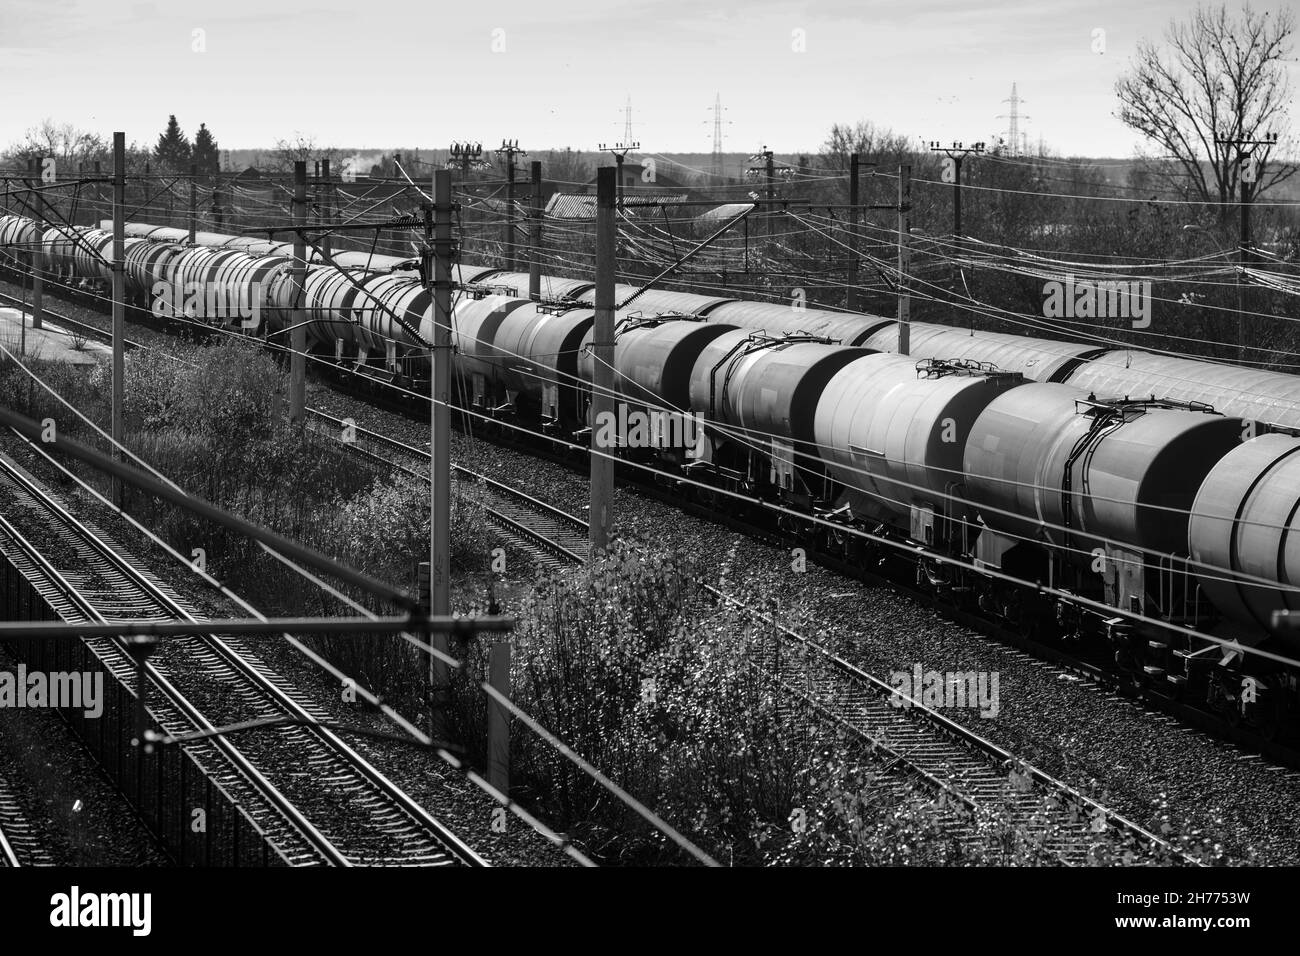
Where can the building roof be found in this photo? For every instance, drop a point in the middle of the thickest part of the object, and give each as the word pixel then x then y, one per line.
pixel 583 206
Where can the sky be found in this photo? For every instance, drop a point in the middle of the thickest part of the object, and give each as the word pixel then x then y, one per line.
pixel 557 73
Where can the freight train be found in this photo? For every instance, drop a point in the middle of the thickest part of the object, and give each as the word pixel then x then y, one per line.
pixel 1137 504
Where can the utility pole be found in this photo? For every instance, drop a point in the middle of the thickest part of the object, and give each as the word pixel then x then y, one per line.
pixel 952 174
pixel 38 281
pixel 851 297
pixel 771 191
pixel 904 257
pixel 602 348
pixel 1249 171
pixel 510 149
pixel 619 151
pixel 438 247
pixel 855 220
pixel 535 237
pixel 218 213
pixel 119 301
pixel 323 204
pixel 298 331
pixel 465 156
pixel 194 200
pixel 770 171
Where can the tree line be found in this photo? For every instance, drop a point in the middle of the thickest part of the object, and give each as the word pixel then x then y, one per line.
pixel 74 148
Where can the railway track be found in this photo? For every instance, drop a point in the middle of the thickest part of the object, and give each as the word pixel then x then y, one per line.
pixel 19 843
pixel 975 777
pixel 318 801
pixel 72 325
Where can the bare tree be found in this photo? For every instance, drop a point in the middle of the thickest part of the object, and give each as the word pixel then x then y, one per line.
pixel 870 142
pixel 567 167
pixel 67 144
pixel 1219 78
pixel 289 151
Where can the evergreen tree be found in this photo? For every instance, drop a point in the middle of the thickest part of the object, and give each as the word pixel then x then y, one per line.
pixel 173 149
pixel 205 154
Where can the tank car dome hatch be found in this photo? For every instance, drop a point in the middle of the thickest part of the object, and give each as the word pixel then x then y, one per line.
pixel 1254 394
pixel 843 328
pixel 553 288
pixel 1040 360
pixel 659 301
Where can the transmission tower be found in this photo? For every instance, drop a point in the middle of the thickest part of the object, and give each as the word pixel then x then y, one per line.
pixel 627 120
pixel 1016 144
pixel 716 167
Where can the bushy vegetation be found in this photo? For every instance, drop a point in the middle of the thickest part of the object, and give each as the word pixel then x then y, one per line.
pixel 630 663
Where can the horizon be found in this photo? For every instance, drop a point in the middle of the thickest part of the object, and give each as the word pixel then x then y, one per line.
pixel 786 71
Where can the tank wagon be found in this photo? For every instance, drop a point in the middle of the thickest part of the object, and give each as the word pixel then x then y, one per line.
pixel 1139 505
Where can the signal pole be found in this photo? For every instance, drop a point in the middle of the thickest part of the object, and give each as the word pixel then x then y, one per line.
pixel 602 348
pixel 904 257
pixel 619 151
pixel 1249 173
pixel 298 333
pixel 510 149
pixel 438 273
pixel 119 300
pixel 535 237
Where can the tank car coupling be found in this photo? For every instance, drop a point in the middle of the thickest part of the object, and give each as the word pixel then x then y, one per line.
pixel 789 524
pixel 1119 631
